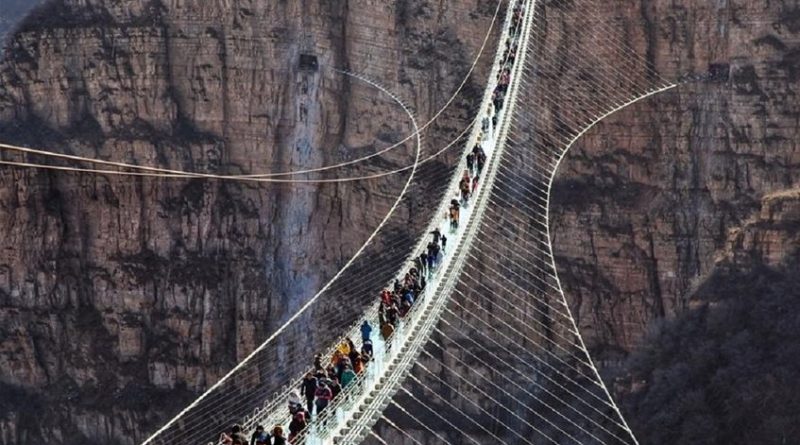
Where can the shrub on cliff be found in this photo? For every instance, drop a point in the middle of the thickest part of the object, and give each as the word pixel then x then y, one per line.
pixel 727 372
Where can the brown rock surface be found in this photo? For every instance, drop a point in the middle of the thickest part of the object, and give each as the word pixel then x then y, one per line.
pixel 121 298
pixel 770 235
pixel 725 370
pixel 646 208
pixel 645 201
pixel 117 295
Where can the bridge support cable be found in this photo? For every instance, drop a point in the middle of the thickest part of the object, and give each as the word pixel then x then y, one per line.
pixel 547 357
pixel 531 394
pixel 344 284
pixel 420 327
pixel 515 264
pixel 263 414
pixel 561 345
pixel 147 171
pixel 549 237
pixel 549 373
pixel 496 422
pixel 462 413
pixel 587 10
pixel 524 156
pixel 414 418
pixel 204 418
pixel 549 381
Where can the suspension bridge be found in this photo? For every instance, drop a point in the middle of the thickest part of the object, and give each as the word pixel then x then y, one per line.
pixel 490 348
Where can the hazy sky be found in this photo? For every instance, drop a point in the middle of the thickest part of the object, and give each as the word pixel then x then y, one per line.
pixel 11 11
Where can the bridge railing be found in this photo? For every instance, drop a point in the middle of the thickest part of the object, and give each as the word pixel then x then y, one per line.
pixel 347 400
pixel 275 410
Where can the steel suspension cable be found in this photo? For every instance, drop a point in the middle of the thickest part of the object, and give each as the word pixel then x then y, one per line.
pixel 529 366
pixel 487 396
pixel 439 416
pixel 527 392
pixel 265 177
pixel 547 365
pixel 462 412
pixel 554 356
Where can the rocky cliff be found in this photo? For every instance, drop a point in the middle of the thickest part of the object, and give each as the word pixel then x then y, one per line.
pixel 121 298
pixel 682 208
pixel 11 13
pixel 646 201
pixel 120 295
pixel 725 370
pixel 674 232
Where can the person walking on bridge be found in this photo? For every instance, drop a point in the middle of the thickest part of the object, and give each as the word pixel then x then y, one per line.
pixel 454 214
pixel 236 437
pixel 504 78
pixel 335 387
pixel 259 437
pixel 318 363
pixel 348 375
pixel 358 363
pixel 386 297
pixel 351 345
pixel 323 396
pixel 344 347
pixel 392 314
pixel 436 235
pixel 366 351
pixel 431 255
pixel 366 331
pixel 308 389
pixel 297 425
pixel 464 187
pixel 277 436
pixel 498 97
pixel 386 331
pixel 480 159
pixel 294 402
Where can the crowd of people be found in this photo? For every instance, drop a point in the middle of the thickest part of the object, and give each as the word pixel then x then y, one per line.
pixel 331 376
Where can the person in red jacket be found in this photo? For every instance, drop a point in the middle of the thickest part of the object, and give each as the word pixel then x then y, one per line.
pixel 324 396
pixel 297 425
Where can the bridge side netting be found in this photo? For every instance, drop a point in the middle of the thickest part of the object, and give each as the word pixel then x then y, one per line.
pixel 506 363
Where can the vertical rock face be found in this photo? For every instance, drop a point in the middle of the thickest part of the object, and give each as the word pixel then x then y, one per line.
pixel 648 208
pixel 644 204
pixel 122 297
pixel 684 207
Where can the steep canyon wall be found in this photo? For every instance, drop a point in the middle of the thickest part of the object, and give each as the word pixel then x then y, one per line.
pixel 121 298
pixel 123 294
pixel 647 201
pixel 674 235
pixel 674 229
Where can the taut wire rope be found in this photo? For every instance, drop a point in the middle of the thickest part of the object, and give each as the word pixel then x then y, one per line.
pixel 266 176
